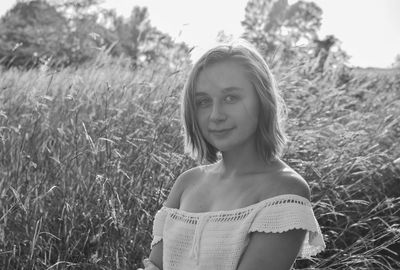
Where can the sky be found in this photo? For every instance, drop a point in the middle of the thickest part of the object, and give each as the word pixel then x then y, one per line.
pixel 369 30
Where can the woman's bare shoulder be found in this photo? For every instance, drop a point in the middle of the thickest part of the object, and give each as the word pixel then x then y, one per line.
pixel 294 183
pixel 184 180
pixel 284 181
pixel 192 174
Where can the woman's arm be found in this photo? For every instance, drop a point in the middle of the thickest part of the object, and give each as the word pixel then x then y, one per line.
pixel 156 255
pixel 173 201
pixel 276 251
pixel 272 251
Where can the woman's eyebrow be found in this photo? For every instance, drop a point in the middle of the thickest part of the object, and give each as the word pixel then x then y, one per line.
pixel 225 90
pixel 232 89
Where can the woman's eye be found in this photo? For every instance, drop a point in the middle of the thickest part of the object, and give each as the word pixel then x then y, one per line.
pixel 202 102
pixel 230 99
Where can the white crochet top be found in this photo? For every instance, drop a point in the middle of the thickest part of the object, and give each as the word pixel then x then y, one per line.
pixel 217 240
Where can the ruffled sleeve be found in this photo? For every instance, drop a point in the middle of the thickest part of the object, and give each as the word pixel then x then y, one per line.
pixel 294 212
pixel 158 226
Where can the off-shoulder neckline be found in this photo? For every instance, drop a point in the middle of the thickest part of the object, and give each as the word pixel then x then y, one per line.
pixel 277 197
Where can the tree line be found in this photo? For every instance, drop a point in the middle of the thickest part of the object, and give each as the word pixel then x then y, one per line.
pixel 67 32
pixel 61 33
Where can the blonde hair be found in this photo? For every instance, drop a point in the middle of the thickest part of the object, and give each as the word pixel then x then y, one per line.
pixel 270 137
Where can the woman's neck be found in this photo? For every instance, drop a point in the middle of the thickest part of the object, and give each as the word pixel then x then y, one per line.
pixel 235 163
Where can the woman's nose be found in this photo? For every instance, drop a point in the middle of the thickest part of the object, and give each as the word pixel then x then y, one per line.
pixel 217 113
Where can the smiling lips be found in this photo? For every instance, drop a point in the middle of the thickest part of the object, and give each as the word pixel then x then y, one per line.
pixel 219 131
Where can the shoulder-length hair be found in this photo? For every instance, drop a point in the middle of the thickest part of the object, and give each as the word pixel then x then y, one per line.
pixel 270 137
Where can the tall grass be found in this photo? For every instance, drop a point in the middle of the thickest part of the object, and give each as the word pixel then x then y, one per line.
pixel 89 155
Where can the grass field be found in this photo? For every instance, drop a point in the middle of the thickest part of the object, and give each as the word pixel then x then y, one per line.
pixel 88 155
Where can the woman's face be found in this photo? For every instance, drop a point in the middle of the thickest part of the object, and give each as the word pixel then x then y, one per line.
pixel 227 105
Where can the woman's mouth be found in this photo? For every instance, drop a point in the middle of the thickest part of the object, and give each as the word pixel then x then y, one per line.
pixel 221 132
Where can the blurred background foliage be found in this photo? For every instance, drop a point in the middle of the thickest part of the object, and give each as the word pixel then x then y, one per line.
pixel 63 33
pixel 91 141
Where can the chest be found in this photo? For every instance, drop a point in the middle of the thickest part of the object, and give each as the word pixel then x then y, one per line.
pixel 211 242
pixel 208 195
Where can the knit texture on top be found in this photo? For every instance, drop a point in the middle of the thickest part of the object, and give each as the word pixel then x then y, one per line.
pixel 217 240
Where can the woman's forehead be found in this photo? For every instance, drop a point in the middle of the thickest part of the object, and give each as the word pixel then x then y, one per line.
pixel 226 90
pixel 226 75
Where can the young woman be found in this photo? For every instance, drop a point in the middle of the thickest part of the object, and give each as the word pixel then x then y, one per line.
pixel 246 209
